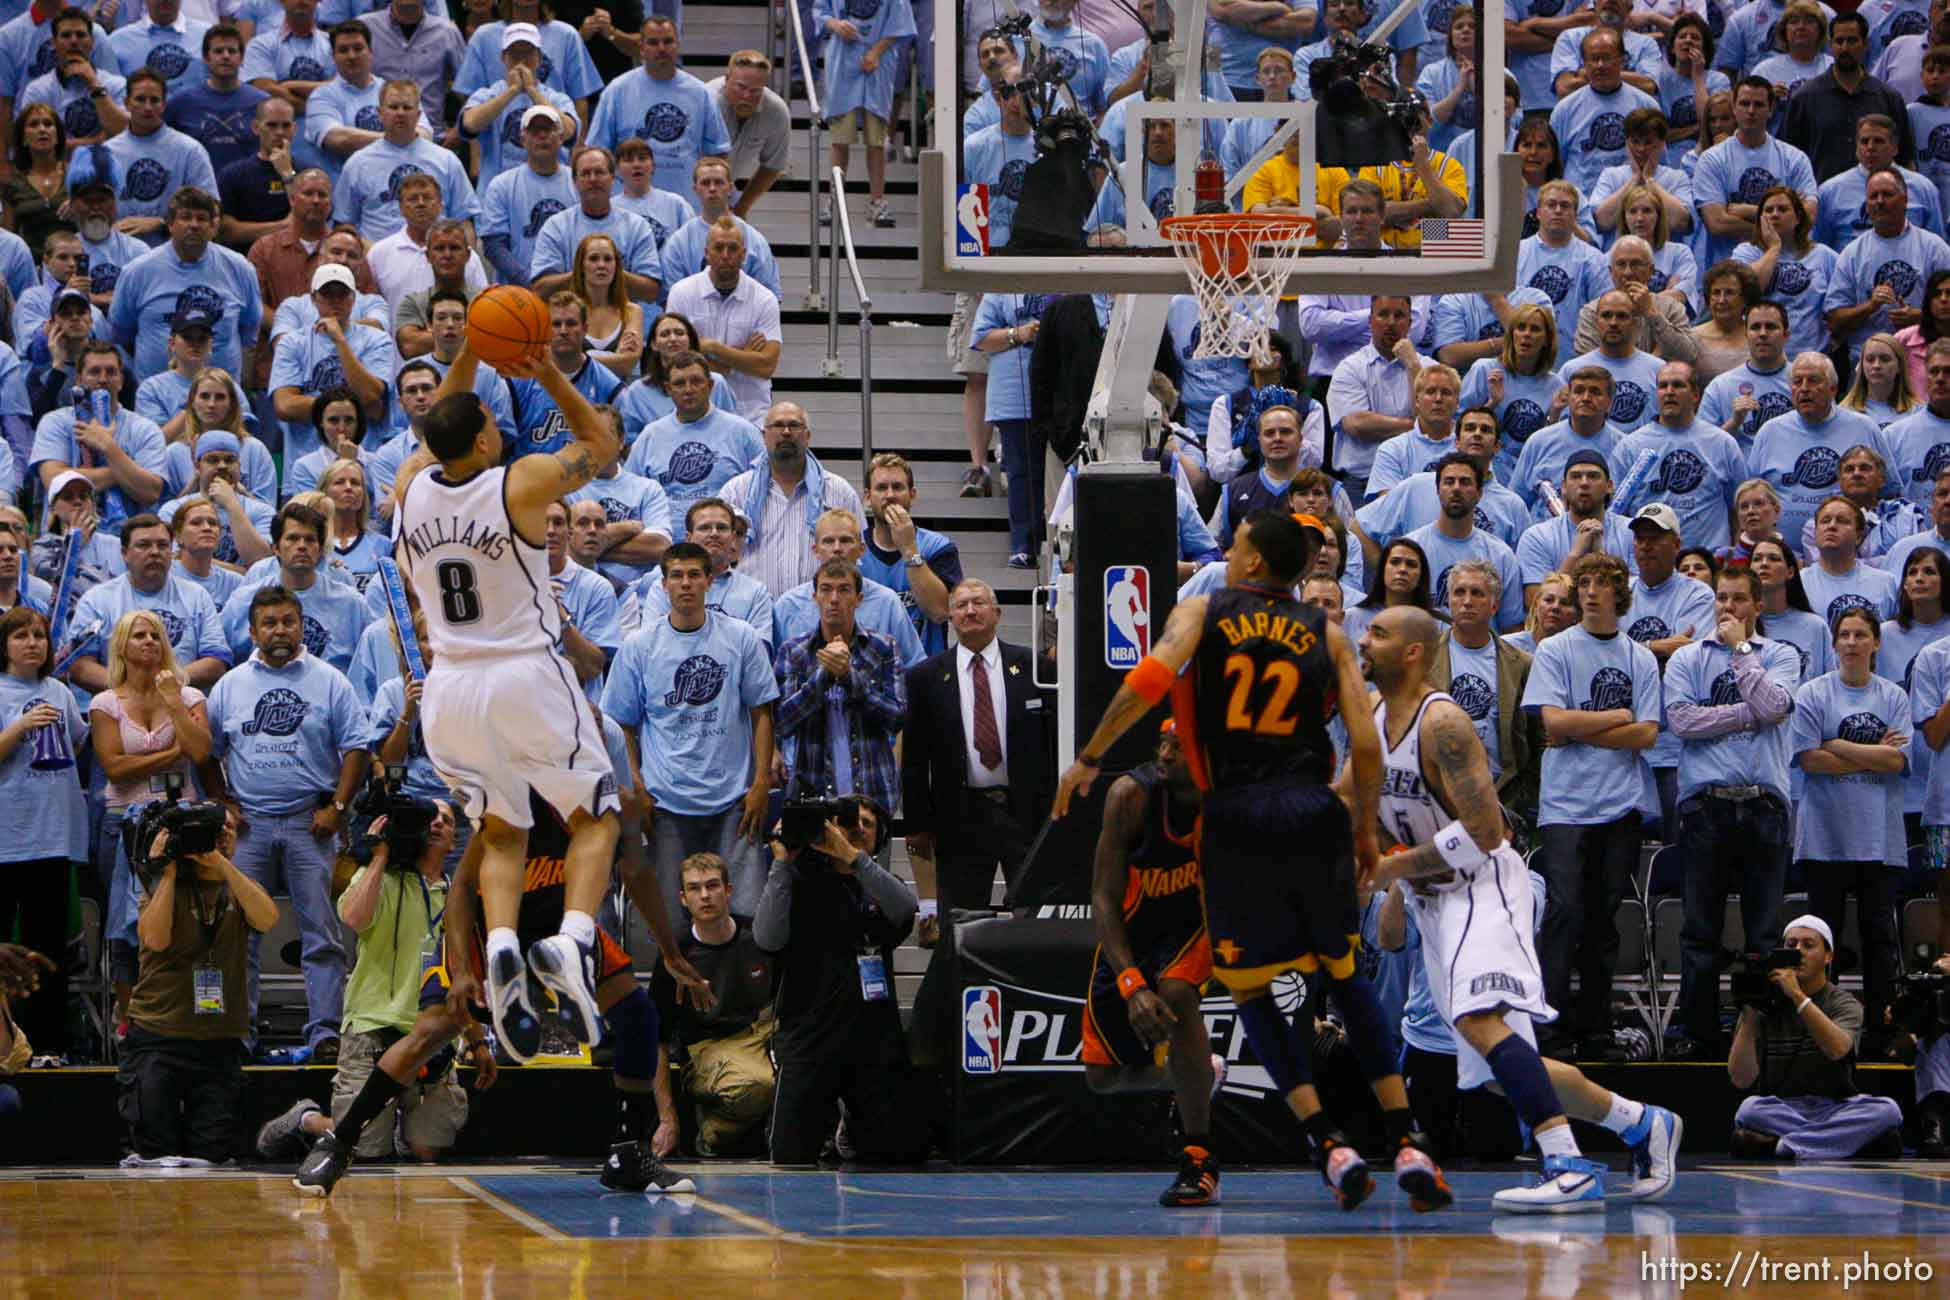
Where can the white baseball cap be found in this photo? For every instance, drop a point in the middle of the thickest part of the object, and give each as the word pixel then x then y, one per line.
pixel 1659 515
pixel 540 113
pixel 333 273
pixel 65 479
pixel 515 33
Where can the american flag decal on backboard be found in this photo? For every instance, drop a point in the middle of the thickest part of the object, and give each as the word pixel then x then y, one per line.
pixel 1452 237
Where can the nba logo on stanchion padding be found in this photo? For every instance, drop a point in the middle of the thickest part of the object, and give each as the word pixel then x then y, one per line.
pixel 981 1030
pixel 1127 615
pixel 972 220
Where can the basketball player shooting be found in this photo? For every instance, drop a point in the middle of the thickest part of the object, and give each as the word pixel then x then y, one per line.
pixel 1457 870
pixel 1277 848
pixel 501 712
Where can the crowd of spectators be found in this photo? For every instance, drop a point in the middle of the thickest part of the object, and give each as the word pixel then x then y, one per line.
pixel 250 239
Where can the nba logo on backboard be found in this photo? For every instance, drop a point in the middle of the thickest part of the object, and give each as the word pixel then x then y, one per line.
pixel 972 221
pixel 981 1030
pixel 1127 615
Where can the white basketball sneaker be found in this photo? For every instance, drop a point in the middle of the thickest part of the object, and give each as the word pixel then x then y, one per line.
pixel 1568 1185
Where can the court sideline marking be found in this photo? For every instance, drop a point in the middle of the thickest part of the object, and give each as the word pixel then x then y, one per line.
pixel 1838 1191
pixel 521 1216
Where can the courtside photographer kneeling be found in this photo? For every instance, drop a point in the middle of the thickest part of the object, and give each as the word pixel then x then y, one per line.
pixel 835 916
pixel 394 903
pixel 182 1070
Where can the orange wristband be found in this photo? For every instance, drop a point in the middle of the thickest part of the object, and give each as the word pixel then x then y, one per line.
pixel 1151 680
pixel 1129 981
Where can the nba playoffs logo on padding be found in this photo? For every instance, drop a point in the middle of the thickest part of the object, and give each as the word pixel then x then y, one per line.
pixel 698 681
pixel 981 1030
pixel 1127 615
pixel 1816 467
pixel 1611 689
pixel 280 713
pixel 972 217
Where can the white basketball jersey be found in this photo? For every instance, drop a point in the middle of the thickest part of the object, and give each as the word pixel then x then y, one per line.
pixel 1409 810
pixel 484 590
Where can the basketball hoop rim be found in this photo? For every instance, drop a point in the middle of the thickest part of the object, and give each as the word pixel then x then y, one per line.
pixel 1259 227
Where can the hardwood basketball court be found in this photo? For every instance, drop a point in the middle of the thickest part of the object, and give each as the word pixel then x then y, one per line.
pixel 548 1230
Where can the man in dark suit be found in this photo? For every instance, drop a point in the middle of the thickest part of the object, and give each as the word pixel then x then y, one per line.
pixel 975 766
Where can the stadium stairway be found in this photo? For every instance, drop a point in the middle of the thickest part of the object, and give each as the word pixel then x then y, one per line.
pixel 916 396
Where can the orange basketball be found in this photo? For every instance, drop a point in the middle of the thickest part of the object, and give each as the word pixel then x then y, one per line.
pixel 507 324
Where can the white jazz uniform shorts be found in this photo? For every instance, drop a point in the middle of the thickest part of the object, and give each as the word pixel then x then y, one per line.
pixel 1479 953
pixel 499 727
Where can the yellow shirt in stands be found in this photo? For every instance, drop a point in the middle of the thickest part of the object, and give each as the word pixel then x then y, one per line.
pixel 1280 179
pixel 1399 183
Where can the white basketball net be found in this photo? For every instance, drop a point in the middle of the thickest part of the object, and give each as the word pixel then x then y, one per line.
pixel 1235 312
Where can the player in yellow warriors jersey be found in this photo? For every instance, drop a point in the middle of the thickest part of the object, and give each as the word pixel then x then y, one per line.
pixel 1278 851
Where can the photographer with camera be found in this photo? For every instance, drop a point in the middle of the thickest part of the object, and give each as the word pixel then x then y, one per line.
pixel 1795 1043
pixel 1921 1024
pixel 181 1076
pixel 835 916
pixel 395 904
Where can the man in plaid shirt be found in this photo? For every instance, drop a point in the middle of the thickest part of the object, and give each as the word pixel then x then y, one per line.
pixel 842 698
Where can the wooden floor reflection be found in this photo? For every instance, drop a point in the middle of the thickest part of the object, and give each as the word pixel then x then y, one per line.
pixel 482 1234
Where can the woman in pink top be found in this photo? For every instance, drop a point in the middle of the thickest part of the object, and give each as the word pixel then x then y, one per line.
pixel 151 723
pixel 1934 325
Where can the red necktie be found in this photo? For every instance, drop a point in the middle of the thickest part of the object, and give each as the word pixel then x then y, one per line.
pixel 988 745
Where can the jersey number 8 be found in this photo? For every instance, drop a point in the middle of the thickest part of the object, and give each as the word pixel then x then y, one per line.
pixel 1274 718
pixel 460 599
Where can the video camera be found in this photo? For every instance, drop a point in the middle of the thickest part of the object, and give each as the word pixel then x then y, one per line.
pixel 1748 973
pixel 193 828
pixel 1057 193
pixel 409 821
pixel 1922 1008
pixel 802 822
pixel 1355 129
